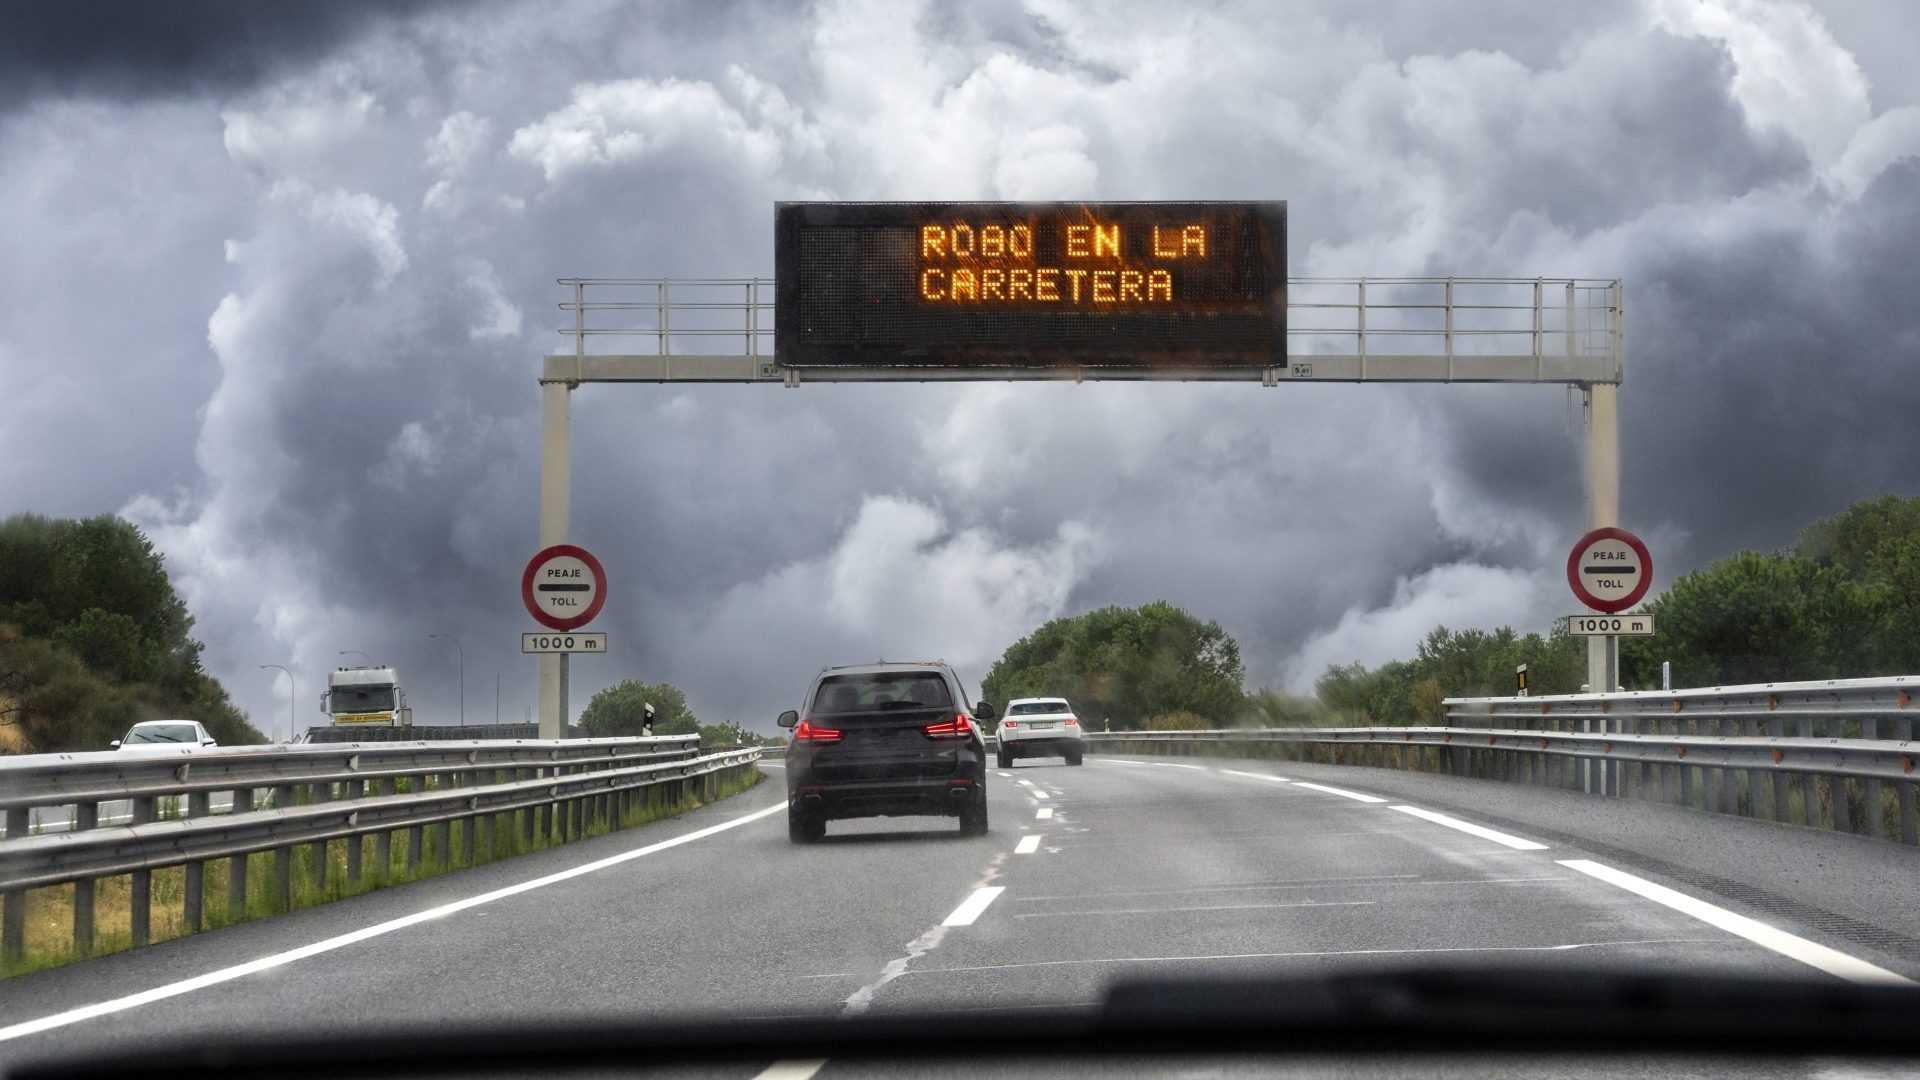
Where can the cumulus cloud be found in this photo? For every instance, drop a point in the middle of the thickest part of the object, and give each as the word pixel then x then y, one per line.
pixel 894 586
pixel 1456 595
pixel 331 272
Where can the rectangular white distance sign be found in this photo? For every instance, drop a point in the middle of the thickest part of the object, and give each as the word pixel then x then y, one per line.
pixel 553 641
pixel 1602 625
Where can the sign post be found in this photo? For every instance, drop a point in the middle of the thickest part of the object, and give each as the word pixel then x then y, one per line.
pixel 563 587
pixel 1520 679
pixel 1609 570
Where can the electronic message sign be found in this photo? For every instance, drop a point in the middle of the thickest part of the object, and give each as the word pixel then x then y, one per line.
pixel 1031 285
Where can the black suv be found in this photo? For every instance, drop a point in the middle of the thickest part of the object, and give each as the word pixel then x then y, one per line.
pixel 884 740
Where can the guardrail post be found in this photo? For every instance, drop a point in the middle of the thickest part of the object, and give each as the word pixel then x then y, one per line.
pixel 469 835
pixel 356 844
pixel 319 869
pixel 140 904
pixel 193 889
pixel 383 841
pixel 1903 790
pixel 443 834
pixel 1738 781
pixel 1808 784
pixel 237 864
pixel 1782 801
pixel 1876 811
pixel 283 878
pixel 1686 774
pixel 85 816
pixel 13 903
pixel 1756 783
pixel 416 848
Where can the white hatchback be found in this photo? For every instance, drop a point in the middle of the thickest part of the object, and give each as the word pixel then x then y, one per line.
pixel 165 735
pixel 1040 726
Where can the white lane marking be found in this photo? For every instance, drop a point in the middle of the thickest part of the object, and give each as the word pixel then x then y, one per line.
pixel 792 1070
pixel 1257 776
pixel 228 974
pixel 999 773
pixel 1029 844
pixel 1043 813
pixel 1471 829
pixel 1038 794
pixel 1177 765
pixel 1342 792
pixel 1327 952
pixel 1831 961
pixel 1124 761
pixel 1182 910
pixel 1026 783
pixel 971 908
pixel 862 999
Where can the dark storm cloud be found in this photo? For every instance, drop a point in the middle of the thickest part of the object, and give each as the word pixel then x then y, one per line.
pixel 392 221
pixel 1778 365
pixel 141 48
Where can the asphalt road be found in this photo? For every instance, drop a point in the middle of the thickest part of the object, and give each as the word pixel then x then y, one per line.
pixel 1115 868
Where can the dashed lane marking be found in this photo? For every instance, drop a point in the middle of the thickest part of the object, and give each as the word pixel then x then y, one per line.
pixel 1481 831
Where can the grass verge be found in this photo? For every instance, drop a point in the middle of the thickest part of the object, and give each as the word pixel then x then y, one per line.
pixel 443 848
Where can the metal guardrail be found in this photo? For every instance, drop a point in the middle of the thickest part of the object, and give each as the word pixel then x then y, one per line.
pixel 1344 329
pixel 288 797
pixel 1840 755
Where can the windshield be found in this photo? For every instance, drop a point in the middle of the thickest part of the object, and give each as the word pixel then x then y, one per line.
pixel 361 699
pixel 162 733
pixel 881 692
pixel 913 508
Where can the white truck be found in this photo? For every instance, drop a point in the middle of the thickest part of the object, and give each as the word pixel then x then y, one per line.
pixel 366 695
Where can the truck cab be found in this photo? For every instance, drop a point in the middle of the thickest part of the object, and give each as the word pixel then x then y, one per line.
pixel 365 695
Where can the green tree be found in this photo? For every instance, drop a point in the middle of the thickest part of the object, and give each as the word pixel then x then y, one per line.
pixel 1755 617
pixel 1127 665
pixel 1451 664
pixel 95 639
pixel 620 709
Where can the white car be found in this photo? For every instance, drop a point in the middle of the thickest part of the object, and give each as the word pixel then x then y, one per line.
pixel 1040 726
pixel 162 734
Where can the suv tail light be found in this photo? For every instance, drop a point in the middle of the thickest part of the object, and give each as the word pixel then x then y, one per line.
pixel 807 731
pixel 1011 724
pixel 1073 721
pixel 959 727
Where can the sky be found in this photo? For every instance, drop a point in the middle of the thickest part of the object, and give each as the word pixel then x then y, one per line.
pixel 275 281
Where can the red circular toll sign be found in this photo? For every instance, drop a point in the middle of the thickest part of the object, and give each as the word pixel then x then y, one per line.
pixel 564 587
pixel 1609 570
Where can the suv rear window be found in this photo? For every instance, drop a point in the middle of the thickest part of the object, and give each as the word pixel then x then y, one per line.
pixel 1029 708
pixel 881 690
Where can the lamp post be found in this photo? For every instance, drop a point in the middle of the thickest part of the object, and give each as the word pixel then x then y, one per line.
pixel 357 652
pixel 463 674
pixel 293 722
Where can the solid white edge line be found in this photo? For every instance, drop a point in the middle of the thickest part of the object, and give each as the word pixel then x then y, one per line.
pixel 1471 829
pixel 1342 792
pixel 1256 776
pixel 228 974
pixel 1028 844
pixel 1792 946
pixel 1043 813
pixel 972 906
pixel 792 1070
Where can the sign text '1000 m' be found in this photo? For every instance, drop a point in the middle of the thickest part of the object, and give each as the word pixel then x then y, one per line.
pixel 1080 285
